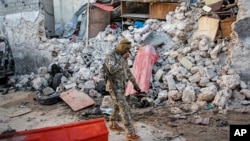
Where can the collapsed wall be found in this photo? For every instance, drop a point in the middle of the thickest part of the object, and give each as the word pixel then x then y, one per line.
pixel 23 23
pixel 241 28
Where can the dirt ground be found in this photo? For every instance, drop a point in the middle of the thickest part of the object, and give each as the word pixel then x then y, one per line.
pixel 19 110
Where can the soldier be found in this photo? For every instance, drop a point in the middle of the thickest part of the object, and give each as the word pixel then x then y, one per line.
pixel 117 76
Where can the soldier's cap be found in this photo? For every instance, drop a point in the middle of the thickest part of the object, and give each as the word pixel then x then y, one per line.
pixel 123 46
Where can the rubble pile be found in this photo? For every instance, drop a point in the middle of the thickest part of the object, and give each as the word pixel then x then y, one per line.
pixel 195 71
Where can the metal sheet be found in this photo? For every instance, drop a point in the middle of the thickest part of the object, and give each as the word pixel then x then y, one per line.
pixel 76 99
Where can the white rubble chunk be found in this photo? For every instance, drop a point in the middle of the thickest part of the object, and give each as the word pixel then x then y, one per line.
pixel 39 83
pixel 170 81
pixel 42 71
pixel 246 93
pixel 163 95
pixel 186 63
pixel 180 86
pixel 194 78
pixel 175 110
pixel 230 81
pixel 204 81
pixel 188 95
pixel 210 73
pixel 158 75
pixel 222 97
pixel 208 93
pixel 215 51
pixel 243 85
pixel 174 95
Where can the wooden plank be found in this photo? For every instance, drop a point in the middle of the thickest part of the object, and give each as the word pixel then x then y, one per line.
pixel 208 27
pixel 18 112
pixel 160 10
pixel 76 99
pixel 226 28
pixel 134 15
pixel 208 2
pixel 98 21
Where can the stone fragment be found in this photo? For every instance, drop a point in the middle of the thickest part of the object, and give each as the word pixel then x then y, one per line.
pixel 194 78
pixel 188 95
pixel 158 75
pixel 185 62
pixel 174 95
pixel 230 81
pixel 208 93
pixel 222 97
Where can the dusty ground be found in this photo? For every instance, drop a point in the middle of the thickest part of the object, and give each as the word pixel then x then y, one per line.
pixel 152 124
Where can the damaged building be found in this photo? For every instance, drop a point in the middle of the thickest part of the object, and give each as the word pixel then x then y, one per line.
pixel 199 49
pixel 191 52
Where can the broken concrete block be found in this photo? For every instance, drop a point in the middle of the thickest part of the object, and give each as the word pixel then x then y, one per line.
pixel 39 82
pixel 180 86
pixel 163 95
pixel 243 85
pixel 245 92
pixel 158 75
pixel 188 95
pixel 170 82
pixel 208 93
pixel 194 78
pixel 230 81
pixel 174 95
pixel 210 73
pixel 175 110
pixel 200 120
pixel 203 81
pixel 222 97
pixel 185 62
pixel 207 8
pixel 88 85
pixel 194 107
pixel 215 51
pixel 69 86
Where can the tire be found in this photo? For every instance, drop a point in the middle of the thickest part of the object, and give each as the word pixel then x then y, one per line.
pixel 48 99
pixel 56 81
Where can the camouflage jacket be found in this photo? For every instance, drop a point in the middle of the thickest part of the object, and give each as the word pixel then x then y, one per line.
pixel 119 70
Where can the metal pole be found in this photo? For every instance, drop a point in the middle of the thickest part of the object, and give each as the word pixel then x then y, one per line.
pixel 87 26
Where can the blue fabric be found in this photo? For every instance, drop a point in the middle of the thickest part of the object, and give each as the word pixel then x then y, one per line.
pixel 138 24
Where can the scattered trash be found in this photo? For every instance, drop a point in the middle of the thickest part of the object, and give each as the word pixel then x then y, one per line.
pixel 200 120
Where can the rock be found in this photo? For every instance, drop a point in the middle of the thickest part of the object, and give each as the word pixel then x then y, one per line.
pixel 208 93
pixel 188 95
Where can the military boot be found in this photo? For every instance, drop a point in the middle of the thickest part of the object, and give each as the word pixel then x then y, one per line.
pixel 132 137
pixel 114 126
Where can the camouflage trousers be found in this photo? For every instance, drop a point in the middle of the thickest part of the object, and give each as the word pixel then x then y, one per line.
pixel 120 105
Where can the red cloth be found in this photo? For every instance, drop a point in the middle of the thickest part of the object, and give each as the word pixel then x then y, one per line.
pixel 142 69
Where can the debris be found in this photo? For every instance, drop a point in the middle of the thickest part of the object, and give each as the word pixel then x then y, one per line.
pixel 19 112
pixel 245 102
pixel 76 99
pixel 210 30
pixel 200 120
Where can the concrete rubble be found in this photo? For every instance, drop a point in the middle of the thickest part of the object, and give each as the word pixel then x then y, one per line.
pixel 196 71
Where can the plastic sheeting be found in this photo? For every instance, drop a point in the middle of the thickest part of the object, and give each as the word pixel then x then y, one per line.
pixel 142 69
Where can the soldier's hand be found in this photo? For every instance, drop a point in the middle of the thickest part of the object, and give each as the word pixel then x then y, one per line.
pixel 126 56
pixel 136 87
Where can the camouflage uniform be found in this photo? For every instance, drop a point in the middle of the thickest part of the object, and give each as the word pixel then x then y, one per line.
pixel 120 72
